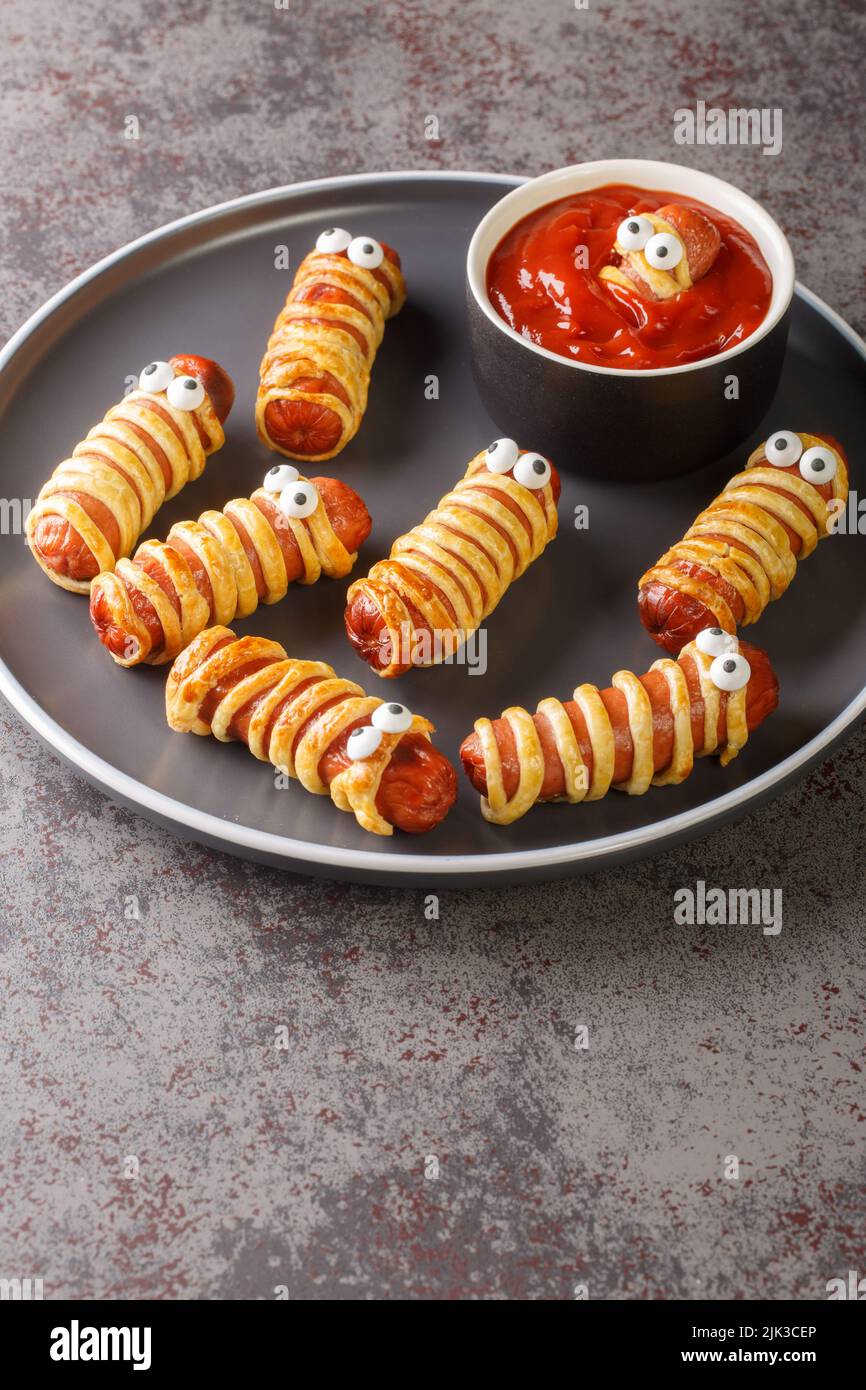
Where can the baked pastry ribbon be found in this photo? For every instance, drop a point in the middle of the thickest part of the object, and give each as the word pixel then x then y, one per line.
pixel 709 700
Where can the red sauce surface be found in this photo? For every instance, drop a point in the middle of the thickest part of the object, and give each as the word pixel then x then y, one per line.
pixel 534 284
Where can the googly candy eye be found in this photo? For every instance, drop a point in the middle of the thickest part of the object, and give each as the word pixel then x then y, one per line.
pixel 280 476
pixel 299 500
pixel 366 252
pixel 818 465
pixel 664 251
pixel 730 672
pixel 501 455
pixel 333 241
pixel 714 641
pixel 532 470
pixel 392 718
pixel 634 233
pixel 185 393
pixel 783 448
pixel 363 742
pixel 156 376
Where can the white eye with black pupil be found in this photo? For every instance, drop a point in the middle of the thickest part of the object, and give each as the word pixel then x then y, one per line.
pixel 501 455
pixel 185 393
pixel 730 672
pixel 366 252
pixel 280 476
pixel 664 251
pixel 156 376
pixel 818 465
pixel 634 233
pixel 783 448
pixel 532 470
pixel 363 742
pixel 298 500
pixel 713 641
pixel 333 241
pixel 392 718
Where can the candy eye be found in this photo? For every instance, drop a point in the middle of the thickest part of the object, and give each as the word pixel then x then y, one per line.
pixel 366 252
pixel 299 500
pixel 714 641
pixel 392 718
pixel 730 672
pixel 664 251
pixel 185 393
pixel 363 742
pixel 501 455
pixel 280 476
pixel 532 470
pixel 156 376
pixel 818 465
pixel 334 240
pixel 634 233
pixel 783 448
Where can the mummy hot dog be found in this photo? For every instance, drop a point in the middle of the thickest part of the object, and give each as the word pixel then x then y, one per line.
pixel 316 370
pixel 659 254
pixel 96 504
pixel 742 552
pixel 642 731
pixel 374 759
pixel 446 575
pixel 222 566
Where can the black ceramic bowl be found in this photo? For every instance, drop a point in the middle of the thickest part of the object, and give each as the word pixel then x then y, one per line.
pixel 610 422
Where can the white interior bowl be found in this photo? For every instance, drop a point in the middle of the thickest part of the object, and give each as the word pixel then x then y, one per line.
pixel 653 175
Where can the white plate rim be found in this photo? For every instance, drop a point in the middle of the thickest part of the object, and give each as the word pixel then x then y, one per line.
pixel 296 853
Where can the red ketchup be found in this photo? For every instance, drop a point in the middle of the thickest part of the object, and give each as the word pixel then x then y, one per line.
pixel 536 286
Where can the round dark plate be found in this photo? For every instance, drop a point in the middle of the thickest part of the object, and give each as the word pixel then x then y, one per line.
pixel 209 284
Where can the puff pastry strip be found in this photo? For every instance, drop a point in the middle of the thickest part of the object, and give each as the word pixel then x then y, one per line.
pixel 742 551
pixel 446 575
pixel 651 734
pixel 107 493
pixel 315 373
pixel 298 715
pixel 220 568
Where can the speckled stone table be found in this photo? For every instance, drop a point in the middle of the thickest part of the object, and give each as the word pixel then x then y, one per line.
pixel 217 1080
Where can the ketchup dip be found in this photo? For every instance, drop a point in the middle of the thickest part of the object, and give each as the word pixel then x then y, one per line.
pixel 547 289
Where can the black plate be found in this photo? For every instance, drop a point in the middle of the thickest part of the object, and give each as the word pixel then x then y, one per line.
pixel 209 284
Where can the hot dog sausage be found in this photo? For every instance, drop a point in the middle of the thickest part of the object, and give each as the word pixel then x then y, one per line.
pixel 699 236
pixel 447 574
pixel 301 717
pixel 216 382
pixel 662 253
pixel 97 503
pixel 604 735
pixel 223 566
pixel 316 370
pixel 742 552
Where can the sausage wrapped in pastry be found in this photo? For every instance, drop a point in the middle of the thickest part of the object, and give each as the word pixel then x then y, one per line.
pixel 224 565
pixel 661 253
pixel 97 503
pixel 743 550
pixel 316 370
pixel 374 759
pixel 642 731
pixel 446 575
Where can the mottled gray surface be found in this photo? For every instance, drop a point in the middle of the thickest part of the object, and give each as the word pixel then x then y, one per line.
pixel 406 1038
